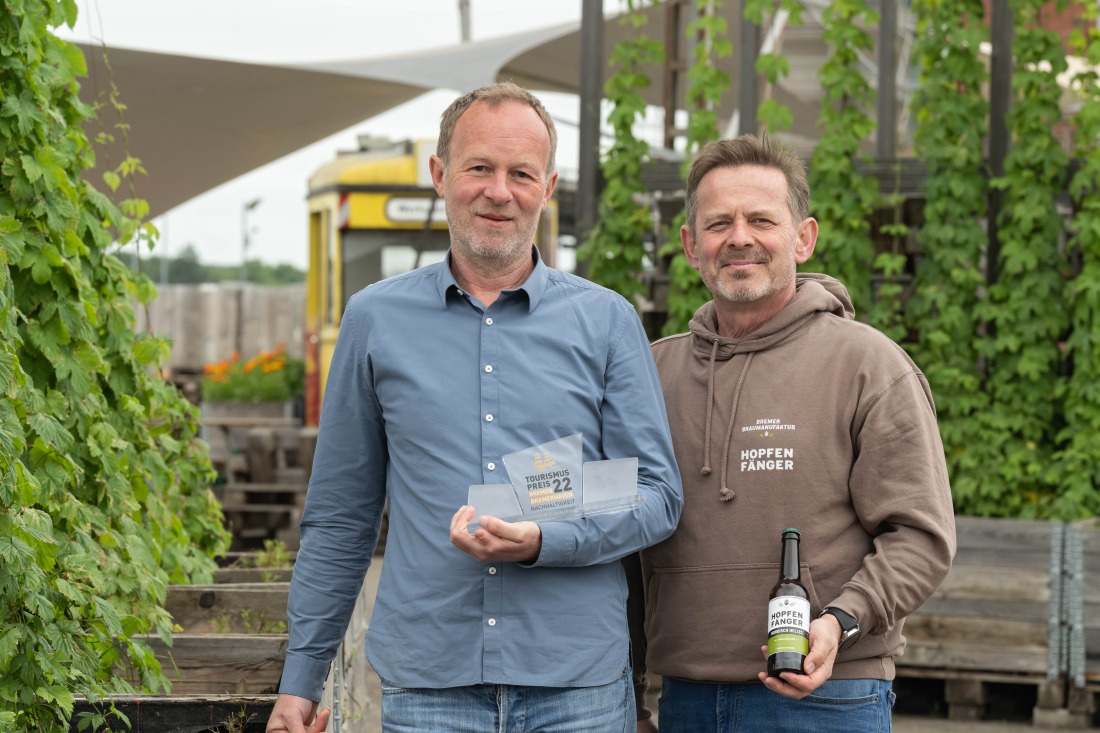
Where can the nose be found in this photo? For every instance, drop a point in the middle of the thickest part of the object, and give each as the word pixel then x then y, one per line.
pixel 496 188
pixel 741 233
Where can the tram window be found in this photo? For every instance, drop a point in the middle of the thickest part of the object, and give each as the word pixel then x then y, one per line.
pixel 371 255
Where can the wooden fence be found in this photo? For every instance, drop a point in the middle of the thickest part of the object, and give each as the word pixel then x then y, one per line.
pixel 207 323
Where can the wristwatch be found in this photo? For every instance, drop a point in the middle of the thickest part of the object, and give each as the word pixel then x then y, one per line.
pixel 849 627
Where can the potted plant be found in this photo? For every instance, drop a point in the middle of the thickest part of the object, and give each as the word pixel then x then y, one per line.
pixel 265 385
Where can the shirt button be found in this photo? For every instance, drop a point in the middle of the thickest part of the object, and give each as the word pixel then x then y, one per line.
pixel 492 622
pixel 491 466
pixel 489 418
pixel 488 367
pixel 492 571
pixel 488 321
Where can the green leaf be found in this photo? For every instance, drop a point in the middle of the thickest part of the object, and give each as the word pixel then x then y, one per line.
pixel 9 643
pixel 50 430
pixel 112 179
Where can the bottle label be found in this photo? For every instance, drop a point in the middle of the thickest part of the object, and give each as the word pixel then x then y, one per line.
pixel 788 625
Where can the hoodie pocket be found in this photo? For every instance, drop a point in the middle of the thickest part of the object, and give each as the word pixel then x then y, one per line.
pixel 708 623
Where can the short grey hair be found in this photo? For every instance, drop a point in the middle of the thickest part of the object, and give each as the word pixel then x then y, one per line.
pixel 493 95
pixel 765 151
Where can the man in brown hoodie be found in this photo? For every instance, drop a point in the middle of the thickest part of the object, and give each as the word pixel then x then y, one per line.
pixel 786 412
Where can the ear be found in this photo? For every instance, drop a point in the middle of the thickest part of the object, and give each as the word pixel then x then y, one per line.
pixel 807 240
pixel 550 185
pixel 437 169
pixel 687 239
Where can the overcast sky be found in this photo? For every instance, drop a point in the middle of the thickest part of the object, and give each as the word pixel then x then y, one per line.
pixel 288 31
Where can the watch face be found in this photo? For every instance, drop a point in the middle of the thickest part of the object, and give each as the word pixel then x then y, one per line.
pixel 849 628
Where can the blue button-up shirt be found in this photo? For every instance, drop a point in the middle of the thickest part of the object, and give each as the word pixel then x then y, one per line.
pixel 427 391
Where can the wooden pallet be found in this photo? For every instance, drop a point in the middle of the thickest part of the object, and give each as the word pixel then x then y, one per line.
pixel 249 607
pixel 989 623
pixel 176 714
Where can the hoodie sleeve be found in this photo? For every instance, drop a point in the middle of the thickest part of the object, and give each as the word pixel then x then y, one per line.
pixel 901 493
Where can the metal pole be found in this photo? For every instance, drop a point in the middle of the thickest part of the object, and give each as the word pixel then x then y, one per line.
pixel 245 208
pixel 591 85
pixel 338 691
pixel 886 139
pixel 464 19
pixel 746 64
pixel 1000 101
pixel 246 236
pixel 164 250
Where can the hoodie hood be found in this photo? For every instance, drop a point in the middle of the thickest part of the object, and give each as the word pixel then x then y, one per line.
pixel 814 294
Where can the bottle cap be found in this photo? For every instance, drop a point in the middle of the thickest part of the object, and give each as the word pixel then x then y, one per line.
pixel 792 529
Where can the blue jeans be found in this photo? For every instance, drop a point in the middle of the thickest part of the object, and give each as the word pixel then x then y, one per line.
pixel 838 706
pixel 510 709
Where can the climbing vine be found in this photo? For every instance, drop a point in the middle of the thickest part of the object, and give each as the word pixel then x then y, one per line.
pixel 615 248
pixel 707 83
pixel 1010 353
pixel 1026 305
pixel 952 113
pixel 1074 467
pixel 686 289
pixel 104 496
pixel 843 199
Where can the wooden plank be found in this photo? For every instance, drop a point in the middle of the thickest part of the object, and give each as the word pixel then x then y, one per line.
pixel 175 714
pixel 236 558
pixel 252 575
pixel 249 487
pixel 958 655
pixel 259 508
pixel 1008 535
pixel 221 664
pixel 992 557
pixel 975 629
pixel 249 422
pixel 937 673
pixel 984 609
pixel 1011 584
pixel 241 608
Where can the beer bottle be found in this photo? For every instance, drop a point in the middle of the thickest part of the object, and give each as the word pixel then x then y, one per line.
pixel 788 613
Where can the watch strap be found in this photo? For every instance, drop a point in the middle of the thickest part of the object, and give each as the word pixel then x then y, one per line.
pixel 849 627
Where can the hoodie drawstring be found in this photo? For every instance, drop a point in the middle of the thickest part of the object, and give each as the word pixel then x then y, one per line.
pixel 727 493
pixel 710 403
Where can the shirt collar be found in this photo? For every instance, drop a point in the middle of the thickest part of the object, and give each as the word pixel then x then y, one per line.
pixel 534 286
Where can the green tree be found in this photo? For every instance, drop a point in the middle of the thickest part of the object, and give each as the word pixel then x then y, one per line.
pixel 186 268
pixel 104 488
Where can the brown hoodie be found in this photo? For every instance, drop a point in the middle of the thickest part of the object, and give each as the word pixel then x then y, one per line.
pixel 814 421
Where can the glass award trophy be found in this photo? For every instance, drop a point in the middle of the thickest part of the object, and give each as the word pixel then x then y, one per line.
pixel 550 481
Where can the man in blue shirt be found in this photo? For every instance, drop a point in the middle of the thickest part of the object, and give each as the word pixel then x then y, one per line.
pixel 437 374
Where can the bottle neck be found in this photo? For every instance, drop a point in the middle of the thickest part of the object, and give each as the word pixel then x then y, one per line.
pixel 790 569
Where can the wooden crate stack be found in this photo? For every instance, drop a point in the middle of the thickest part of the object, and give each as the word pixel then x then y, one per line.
pixel 995 619
pixel 229 656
